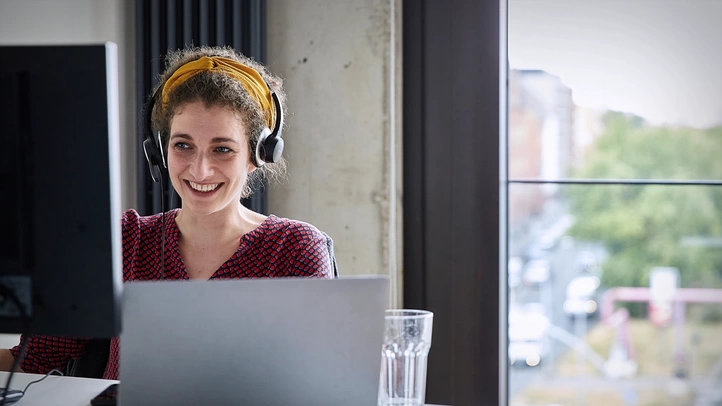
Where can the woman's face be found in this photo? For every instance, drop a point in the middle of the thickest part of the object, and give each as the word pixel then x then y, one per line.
pixel 208 157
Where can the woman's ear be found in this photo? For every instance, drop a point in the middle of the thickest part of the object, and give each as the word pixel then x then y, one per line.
pixel 250 167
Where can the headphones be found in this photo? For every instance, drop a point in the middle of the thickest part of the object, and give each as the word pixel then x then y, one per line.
pixel 268 149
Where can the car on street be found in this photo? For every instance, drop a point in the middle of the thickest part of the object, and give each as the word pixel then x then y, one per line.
pixel 581 296
pixel 528 340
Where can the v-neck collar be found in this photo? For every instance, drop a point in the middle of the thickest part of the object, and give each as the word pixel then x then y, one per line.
pixel 247 240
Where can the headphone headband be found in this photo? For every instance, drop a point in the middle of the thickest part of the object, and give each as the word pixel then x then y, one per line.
pixel 268 147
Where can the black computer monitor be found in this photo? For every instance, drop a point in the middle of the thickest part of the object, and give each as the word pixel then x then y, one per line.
pixel 60 213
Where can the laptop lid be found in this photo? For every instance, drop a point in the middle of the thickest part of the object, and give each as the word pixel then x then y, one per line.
pixel 252 341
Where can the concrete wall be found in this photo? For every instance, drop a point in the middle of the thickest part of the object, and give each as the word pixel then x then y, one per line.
pixel 342 67
pixel 46 22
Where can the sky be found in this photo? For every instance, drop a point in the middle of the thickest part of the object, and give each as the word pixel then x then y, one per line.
pixel 659 59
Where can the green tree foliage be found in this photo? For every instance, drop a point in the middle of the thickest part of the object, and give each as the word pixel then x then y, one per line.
pixel 647 226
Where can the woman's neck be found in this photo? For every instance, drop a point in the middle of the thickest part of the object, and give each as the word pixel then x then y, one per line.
pixel 219 227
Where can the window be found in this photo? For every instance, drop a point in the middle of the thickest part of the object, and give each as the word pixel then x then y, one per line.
pixel 614 202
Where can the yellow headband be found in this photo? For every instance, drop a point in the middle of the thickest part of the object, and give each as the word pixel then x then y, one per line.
pixel 248 77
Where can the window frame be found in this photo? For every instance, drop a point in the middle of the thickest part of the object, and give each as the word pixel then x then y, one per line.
pixel 454 175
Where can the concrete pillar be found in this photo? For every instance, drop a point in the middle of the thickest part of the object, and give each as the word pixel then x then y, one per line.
pixel 341 61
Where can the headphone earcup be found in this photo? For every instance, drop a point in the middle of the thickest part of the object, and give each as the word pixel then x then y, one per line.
pixel 159 148
pixel 153 157
pixel 152 147
pixel 273 149
pixel 259 155
pixel 269 147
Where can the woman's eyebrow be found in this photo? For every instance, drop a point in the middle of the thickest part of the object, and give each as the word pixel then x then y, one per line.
pixel 181 135
pixel 219 140
pixel 216 140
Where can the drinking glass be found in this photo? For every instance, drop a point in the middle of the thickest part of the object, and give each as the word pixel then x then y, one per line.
pixel 407 339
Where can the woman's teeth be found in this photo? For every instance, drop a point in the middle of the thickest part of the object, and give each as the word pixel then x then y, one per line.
pixel 203 188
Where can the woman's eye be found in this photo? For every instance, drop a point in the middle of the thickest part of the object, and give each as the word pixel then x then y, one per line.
pixel 223 150
pixel 180 145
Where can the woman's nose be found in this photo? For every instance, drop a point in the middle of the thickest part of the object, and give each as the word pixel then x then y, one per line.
pixel 201 167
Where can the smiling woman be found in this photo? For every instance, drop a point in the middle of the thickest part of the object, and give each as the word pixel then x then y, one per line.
pixel 210 120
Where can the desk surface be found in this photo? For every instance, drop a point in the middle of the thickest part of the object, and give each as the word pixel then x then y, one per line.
pixel 55 390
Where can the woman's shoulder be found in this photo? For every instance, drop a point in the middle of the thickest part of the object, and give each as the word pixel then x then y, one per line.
pixel 282 227
pixel 133 220
pixel 283 223
pixel 312 248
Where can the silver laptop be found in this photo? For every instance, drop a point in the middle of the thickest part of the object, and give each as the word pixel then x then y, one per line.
pixel 292 341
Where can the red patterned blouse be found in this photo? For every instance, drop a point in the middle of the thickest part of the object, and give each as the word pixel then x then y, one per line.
pixel 279 247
